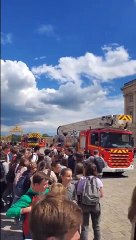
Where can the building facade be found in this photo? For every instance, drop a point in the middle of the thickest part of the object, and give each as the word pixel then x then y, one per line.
pixel 129 91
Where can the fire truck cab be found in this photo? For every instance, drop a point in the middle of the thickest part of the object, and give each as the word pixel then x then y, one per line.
pixel 109 135
pixel 114 146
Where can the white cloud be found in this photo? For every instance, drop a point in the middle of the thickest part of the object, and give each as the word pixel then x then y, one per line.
pixel 16 80
pixel 114 64
pixel 6 38
pixel 49 31
pixel 39 58
pixel 47 108
pixel 46 29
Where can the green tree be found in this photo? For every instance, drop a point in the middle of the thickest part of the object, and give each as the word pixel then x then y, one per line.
pixel 45 135
pixel 16 138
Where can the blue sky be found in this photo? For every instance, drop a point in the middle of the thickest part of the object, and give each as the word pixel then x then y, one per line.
pixel 65 61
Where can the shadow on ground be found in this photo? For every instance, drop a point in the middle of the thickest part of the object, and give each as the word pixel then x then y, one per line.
pixel 114 175
pixel 10 230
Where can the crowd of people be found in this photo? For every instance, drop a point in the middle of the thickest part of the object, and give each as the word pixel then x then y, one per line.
pixel 53 194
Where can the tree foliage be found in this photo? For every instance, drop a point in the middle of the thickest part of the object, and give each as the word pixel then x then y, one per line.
pixel 45 135
pixel 16 138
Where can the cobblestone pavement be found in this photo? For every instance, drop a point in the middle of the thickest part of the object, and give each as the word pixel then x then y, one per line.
pixel 114 222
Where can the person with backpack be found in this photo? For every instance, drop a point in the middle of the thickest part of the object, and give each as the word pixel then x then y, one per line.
pixel 17 184
pixel 42 166
pixel 8 194
pixel 39 187
pixel 24 181
pixel 98 161
pixel 4 167
pixel 89 192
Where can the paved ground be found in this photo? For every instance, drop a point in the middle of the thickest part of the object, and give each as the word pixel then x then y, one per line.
pixel 114 223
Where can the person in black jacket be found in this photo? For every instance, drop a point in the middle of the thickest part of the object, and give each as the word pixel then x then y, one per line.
pixel 98 161
pixel 71 159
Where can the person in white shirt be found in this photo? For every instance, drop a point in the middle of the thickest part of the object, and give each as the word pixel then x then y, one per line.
pixel 4 168
pixel 35 154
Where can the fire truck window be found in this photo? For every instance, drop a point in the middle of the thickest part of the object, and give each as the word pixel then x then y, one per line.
pixel 94 139
pixel 115 139
pixel 105 140
pixel 33 140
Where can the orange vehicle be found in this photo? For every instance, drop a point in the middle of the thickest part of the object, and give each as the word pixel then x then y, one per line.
pixel 113 145
pixel 109 135
pixel 32 140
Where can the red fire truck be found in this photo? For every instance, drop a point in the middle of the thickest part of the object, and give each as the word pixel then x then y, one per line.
pixel 108 134
pixel 32 140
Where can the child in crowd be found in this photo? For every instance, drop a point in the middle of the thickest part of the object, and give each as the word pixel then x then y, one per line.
pixel 66 177
pixel 58 188
pixel 132 214
pixel 50 219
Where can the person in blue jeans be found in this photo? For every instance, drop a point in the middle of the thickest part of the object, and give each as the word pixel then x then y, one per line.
pixel 90 171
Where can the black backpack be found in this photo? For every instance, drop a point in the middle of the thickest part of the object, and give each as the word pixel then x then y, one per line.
pixel 2 170
pixel 23 184
pixel 10 175
pixel 98 161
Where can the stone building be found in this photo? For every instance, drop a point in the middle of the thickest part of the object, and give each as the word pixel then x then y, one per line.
pixel 129 91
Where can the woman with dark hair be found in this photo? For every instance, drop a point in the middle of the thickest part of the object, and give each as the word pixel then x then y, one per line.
pixel 22 167
pixel 8 194
pixel 42 166
pixel 40 158
pixel 90 174
pixel 79 170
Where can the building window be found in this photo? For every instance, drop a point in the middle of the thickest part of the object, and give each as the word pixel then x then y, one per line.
pixel 130 98
pixel 94 139
pixel 131 114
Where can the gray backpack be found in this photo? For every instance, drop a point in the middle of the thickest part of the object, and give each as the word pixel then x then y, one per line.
pixel 90 195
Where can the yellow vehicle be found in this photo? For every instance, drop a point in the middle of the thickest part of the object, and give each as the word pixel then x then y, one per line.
pixel 32 140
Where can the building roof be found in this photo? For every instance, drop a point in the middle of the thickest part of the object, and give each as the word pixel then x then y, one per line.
pixel 128 84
